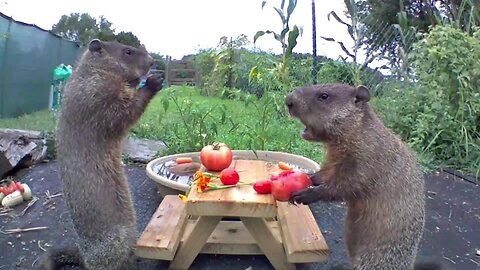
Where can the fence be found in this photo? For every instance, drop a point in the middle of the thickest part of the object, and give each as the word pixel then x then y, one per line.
pixel 178 72
pixel 28 55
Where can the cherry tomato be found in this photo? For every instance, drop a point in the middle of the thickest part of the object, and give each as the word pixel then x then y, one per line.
pixel 20 187
pixel 229 176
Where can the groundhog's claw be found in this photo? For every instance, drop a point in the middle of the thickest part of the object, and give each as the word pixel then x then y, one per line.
pixel 154 83
pixel 306 196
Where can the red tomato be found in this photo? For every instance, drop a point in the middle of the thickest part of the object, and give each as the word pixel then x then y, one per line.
pixel 289 182
pixel 229 176
pixel 263 186
pixel 20 187
pixel 216 157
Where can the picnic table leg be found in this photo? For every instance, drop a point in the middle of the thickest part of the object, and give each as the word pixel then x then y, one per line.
pixel 267 242
pixel 192 246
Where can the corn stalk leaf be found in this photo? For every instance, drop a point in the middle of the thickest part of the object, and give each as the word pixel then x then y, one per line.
pixel 341 45
pixel 254 72
pixel 257 35
pixel 349 26
pixel 291 7
pixel 280 13
pixel 292 40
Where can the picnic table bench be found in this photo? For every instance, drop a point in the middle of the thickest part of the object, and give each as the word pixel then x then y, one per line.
pixel 233 221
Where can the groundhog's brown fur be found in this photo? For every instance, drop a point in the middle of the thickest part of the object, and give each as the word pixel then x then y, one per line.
pixel 99 107
pixel 369 168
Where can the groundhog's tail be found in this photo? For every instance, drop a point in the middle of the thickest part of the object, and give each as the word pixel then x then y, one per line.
pixel 60 257
pixel 429 266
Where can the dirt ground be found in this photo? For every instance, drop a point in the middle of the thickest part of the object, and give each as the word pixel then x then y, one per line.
pixel 452 232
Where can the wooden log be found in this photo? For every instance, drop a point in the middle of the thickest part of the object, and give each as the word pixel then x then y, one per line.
pixel 14 146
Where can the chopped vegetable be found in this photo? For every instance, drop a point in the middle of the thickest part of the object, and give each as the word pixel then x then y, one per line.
pixel 284 166
pixel 182 160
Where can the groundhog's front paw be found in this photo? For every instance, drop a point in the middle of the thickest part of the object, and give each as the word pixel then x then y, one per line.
pixel 154 83
pixel 315 178
pixel 306 196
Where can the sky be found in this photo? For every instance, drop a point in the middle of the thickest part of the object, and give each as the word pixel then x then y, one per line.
pixel 181 27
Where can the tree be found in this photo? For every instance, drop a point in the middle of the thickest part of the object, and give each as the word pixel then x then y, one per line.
pixel 379 17
pixel 159 60
pixel 82 28
pixel 128 38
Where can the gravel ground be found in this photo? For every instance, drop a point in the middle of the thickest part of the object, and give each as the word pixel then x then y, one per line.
pixel 452 232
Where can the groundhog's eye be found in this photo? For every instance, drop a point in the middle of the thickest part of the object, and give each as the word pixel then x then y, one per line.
pixel 128 51
pixel 323 96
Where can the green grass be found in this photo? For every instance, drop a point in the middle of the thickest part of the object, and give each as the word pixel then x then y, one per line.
pixel 42 121
pixel 240 131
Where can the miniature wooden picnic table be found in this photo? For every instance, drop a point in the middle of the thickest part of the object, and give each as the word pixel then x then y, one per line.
pixel 233 221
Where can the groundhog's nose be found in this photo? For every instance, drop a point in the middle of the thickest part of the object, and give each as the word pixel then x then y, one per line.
pixel 289 101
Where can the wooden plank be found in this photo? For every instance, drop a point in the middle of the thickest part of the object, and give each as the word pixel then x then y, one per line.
pixel 193 244
pixel 179 80
pixel 162 235
pixel 242 201
pixel 231 237
pixel 273 249
pixel 182 70
pixel 302 238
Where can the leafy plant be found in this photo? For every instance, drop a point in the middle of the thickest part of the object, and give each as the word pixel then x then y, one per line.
pixel 356 34
pixel 267 108
pixel 287 38
pixel 224 72
pixel 197 125
pixel 440 117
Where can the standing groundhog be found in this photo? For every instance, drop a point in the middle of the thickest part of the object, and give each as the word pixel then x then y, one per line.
pixel 369 168
pixel 99 107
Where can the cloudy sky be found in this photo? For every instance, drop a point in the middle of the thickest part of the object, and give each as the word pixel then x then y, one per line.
pixel 179 27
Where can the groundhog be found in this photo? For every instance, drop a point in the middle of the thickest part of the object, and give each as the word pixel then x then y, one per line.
pixel 371 169
pixel 100 104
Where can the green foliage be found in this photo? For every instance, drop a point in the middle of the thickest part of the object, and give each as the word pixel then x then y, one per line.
pixel 244 120
pixel 440 117
pixel 197 125
pixel 159 61
pixel 44 120
pixel 82 28
pixel 463 15
pixel 340 72
pixel 287 38
pixel 225 58
pixel 267 109
pixel 128 38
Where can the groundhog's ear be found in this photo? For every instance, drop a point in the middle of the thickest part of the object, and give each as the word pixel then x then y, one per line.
pixel 362 94
pixel 95 45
